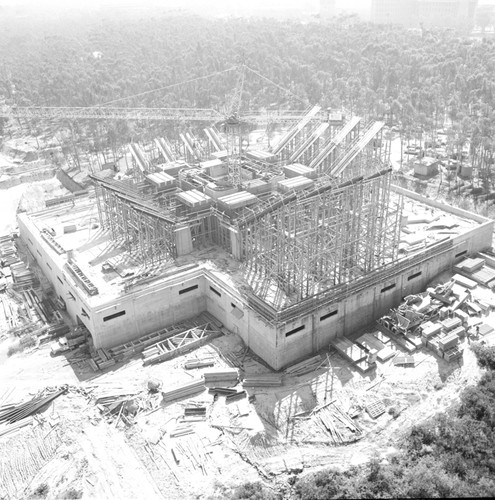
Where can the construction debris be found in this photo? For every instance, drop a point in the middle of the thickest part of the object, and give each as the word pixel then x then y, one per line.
pixel 306 366
pixel 24 410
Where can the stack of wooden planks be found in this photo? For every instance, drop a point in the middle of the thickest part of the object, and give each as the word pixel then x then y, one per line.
pixel 306 366
pixel 183 390
pixel 263 380
pixel 228 376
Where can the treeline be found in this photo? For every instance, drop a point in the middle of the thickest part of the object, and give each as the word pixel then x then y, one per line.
pixel 414 81
pixel 451 455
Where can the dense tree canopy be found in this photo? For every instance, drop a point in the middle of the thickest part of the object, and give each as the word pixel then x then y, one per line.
pixel 414 80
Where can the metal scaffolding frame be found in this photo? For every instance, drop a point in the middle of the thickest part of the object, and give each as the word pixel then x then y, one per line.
pixel 135 223
pixel 312 243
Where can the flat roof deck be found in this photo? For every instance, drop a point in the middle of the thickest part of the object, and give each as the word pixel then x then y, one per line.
pixel 92 246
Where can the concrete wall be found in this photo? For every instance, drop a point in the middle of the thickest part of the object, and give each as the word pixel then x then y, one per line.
pixel 258 334
pixel 149 310
pixel 160 304
pixel 52 266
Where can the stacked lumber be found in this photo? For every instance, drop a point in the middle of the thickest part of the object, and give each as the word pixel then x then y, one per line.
pixel 404 361
pixel 452 354
pixel 305 366
pixel 182 429
pixel 469 265
pixel 463 281
pixel 183 390
pixel 235 396
pixel 337 423
pixel 6 429
pixel 222 391
pixel 23 410
pixel 263 380
pixel 195 412
pixel 448 341
pixel 22 277
pixel 8 251
pixel 226 376
pixel 451 323
pixel 191 364
pixel 485 329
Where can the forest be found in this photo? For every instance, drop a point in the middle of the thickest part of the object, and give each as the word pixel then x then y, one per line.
pixel 451 455
pixel 417 81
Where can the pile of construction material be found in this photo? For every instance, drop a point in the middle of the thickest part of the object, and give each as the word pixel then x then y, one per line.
pixel 100 359
pixel 183 390
pixel 478 270
pixel 332 419
pixel 120 402
pixel 23 277
pixel 127 350
pixel 223 377
pixel 203 362
pixel 306 366
pixel 180 343
pixel 442 316
pixel 263 380
pixel 8 251
pixel 14 413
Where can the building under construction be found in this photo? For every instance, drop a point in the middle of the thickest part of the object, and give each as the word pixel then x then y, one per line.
pixel 289 246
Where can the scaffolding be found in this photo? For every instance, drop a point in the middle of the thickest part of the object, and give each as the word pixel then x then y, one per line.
pixel 334 235
pixel 137 224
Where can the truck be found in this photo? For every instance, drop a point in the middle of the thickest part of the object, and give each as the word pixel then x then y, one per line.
pixel 60 346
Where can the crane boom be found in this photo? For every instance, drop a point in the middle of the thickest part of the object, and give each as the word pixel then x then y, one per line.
pixel 164 114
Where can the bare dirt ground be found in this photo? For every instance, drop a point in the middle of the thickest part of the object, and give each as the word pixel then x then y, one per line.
pixel 237 442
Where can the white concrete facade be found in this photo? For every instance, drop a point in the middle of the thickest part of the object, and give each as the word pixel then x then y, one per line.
pixel 186 292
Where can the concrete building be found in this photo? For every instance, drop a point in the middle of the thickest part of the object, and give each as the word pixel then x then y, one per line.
pixel 320 246
pixel 427 13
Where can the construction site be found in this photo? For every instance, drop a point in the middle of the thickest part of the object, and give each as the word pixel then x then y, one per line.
pixel 239 310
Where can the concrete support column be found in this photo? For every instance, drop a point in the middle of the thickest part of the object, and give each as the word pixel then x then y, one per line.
pixel 235 243
pixel 183 241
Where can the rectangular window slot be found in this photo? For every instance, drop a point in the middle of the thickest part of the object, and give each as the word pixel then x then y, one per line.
pixel 188 289
pixel 72 296
pixel 415 275
pixel 387 288
pixel 29 239
pixel 460 254
pixel 49 267
pixel 298 329
pixel 328 315
pixel 113 316
pixel 61 282
pixel 232 304
pixel 215 291
pixel 39 253
pixel 84 313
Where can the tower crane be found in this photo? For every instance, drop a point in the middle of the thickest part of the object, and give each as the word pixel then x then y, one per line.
pixel 210 115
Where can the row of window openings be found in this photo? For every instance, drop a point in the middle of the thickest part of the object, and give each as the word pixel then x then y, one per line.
pixel 194 287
